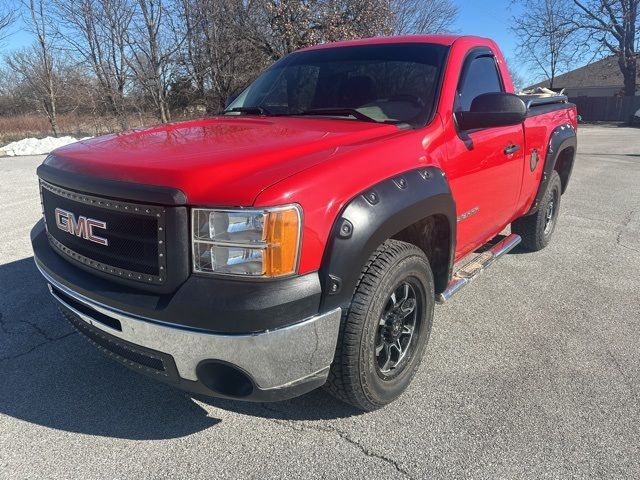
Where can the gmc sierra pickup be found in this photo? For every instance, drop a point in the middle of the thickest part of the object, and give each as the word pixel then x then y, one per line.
pixel 304 235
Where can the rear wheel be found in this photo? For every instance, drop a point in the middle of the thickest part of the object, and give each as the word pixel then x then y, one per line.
pixel 536 230
pixel 384 334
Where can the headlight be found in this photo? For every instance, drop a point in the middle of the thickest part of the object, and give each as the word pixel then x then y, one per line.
pixel 257 243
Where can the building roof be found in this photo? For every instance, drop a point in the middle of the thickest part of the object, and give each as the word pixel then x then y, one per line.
pixel 602 73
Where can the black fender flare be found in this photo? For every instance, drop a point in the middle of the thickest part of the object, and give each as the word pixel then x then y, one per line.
pixel 376 215
pixel 561 138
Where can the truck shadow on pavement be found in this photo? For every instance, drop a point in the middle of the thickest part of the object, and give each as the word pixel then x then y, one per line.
pixel 51 376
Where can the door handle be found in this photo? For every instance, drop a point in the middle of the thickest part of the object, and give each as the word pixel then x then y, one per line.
pixel 511 149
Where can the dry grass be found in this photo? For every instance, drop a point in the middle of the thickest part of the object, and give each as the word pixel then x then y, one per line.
pixel 30 125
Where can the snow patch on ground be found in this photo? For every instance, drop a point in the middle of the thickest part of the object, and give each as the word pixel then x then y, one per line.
pixel 36 146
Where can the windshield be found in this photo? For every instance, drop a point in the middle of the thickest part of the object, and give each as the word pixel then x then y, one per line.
pixel 390 83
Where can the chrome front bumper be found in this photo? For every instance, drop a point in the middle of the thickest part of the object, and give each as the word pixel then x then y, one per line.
pixel 274 360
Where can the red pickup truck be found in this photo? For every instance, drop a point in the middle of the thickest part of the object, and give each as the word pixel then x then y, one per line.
pixel 304 235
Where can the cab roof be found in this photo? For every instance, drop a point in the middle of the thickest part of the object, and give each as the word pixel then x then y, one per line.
pixel 435 39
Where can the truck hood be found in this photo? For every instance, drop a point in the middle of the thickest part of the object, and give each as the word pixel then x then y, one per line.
pixel 223 161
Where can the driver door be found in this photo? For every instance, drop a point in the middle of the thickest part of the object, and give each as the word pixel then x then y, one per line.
pixel 485 165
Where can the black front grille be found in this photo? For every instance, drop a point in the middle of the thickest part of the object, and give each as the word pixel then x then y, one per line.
pixel 132 244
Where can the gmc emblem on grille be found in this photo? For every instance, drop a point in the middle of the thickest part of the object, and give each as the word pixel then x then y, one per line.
pixel 83 227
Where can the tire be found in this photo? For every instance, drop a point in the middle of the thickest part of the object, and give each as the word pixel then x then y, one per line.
pixel 536 230
pixel 369 372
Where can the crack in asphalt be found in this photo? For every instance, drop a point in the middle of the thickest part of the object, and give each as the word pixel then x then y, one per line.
pixel 625 223
pixel 625 379
pixel 586 217
pixel 38 330
pixel 300 427
pixel 35 347
pixel 622 225
pixel 4 326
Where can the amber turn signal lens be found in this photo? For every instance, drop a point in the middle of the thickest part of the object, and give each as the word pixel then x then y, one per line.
pixel 282 236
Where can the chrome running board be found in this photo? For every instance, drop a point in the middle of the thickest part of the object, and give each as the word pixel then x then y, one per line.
pixel 479 264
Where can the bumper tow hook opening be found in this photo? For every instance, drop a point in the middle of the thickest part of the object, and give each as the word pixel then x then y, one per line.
pixel 224 379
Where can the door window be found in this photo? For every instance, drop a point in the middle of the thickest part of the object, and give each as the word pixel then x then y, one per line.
pixel 480 77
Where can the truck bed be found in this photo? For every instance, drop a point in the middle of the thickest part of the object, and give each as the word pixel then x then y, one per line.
pixel 540 104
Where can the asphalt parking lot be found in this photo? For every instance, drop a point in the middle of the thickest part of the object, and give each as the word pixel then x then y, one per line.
pixel 533 371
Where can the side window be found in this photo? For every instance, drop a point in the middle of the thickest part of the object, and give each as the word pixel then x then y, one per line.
pixel 481 77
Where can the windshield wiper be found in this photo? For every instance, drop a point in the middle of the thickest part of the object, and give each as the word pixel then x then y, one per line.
pixel 250 110
pixel 338 112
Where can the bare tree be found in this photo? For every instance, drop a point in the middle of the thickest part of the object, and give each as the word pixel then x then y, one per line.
pixel 282 26
pixel 7 16
pixel 159 55
pixel 348 19
pixel 278 27
pixel 152 50
pixel 546 36
pixel 612 26
pixel 98 31
pixel 193 19
pixel 516 77
pixel 423 16
pixel 37 65
pixel 216 54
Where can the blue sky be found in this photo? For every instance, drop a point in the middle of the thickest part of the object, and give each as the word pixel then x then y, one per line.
pixel 486 18
pixel 491 18
pixel 19 38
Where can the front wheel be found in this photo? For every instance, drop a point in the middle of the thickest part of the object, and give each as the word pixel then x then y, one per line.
pixel 384 333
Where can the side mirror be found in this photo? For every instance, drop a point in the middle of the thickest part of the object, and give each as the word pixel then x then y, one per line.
pixel 230 99
pixel 493 110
